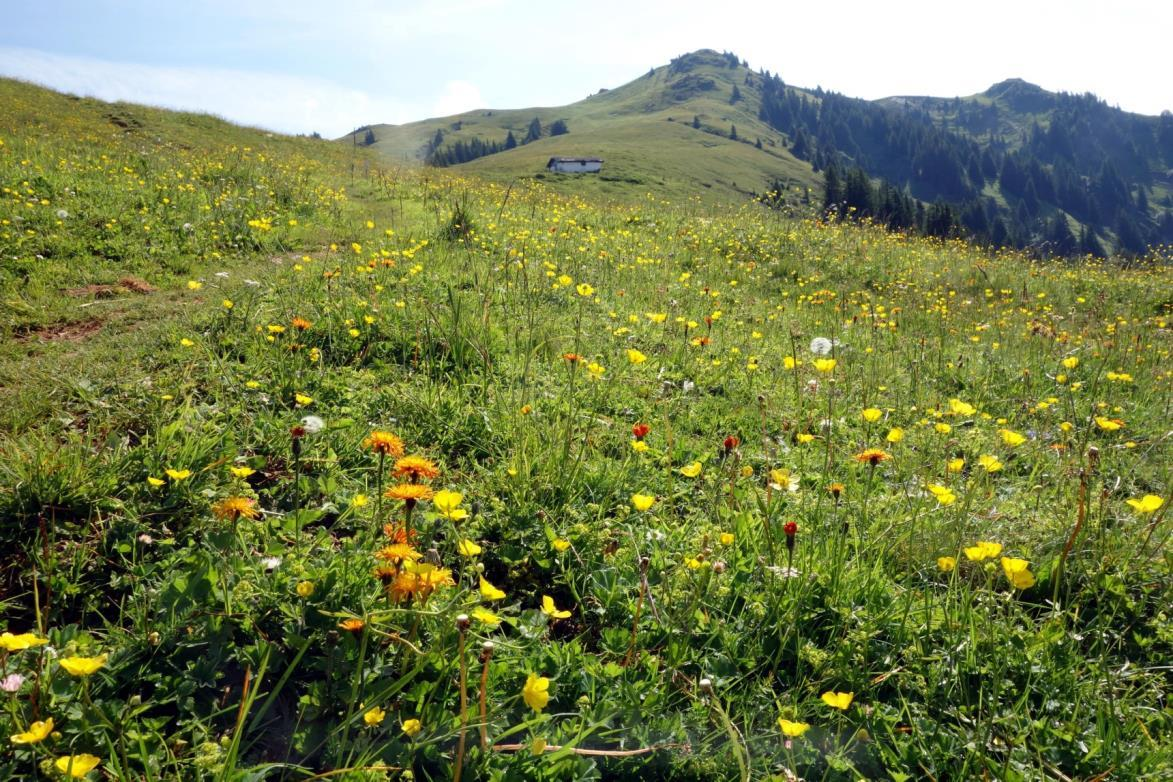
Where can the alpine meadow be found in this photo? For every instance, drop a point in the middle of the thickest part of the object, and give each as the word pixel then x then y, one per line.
pixel 812 438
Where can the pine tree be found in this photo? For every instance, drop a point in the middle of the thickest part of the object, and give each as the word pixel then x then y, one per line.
pixel 534 132
pixel 510 141
pixel 733 132
pixel 736 96
pixel 696 121
pixel 832 190
pixel 558 128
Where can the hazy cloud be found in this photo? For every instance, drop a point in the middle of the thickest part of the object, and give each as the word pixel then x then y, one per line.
pixel 285 103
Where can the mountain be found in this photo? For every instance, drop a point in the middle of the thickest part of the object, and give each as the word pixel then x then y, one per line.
pixel 1015 165
pixel 668 131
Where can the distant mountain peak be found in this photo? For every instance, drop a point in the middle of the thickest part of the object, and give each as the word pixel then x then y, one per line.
pixel 1021 95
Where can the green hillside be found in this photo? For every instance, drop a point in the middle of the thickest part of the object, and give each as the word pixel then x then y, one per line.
pixel 320 471
pixel 643 130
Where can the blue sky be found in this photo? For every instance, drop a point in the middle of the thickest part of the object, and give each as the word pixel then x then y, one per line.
pixel 329 65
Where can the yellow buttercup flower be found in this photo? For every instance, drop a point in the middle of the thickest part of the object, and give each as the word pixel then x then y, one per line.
pixel 584 289
pixel 825 365
pixel 305 588
pixel 560 544
pixel 991 463
pixel 895 435
pixel 1108 424
pixel 482 614
pixel 943 428
pixel 536 692
pixel 467 548
pixel 490 592
pixel 635 357
pixel 961 408
pixel 946 564
pixel 942 493
pixel 155 482
pixel 872 414
pixel 20 642
pixel 726 538
pixel 178 475
pixel 76 766
pixel 792 729
pixel 1018 572
pixel 838 700
pixel 955 465
pixel 1150 503
pixel 242 471
pixel 82 666
pixel 691 470
pixel 551 610
pixel 36 733
pixel 373 717
pixel 1070 363
pixel 447 503
pixel 642 501
pixel 982 550
pixel 1012 438
pixel 411 727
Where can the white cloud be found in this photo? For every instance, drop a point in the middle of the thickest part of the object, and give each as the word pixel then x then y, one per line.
pixel 457 98
pixel 285 103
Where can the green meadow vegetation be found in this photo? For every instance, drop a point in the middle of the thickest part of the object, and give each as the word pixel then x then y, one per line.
pixel 315 469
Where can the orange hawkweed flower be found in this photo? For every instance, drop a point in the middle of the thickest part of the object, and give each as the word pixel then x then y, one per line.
pixel 872 456
pixel 352 625
pixel 397 534
pixel 301 323
pixel 234 508
pixel 397 553
pixel 384 443
pixel 416 468
pixel 409 492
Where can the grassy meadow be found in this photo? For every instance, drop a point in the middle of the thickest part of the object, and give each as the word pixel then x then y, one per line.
pixel 311 469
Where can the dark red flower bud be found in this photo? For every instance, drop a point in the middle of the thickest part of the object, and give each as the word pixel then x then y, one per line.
pixel 731 442
pixel 640 431
pixel 790 528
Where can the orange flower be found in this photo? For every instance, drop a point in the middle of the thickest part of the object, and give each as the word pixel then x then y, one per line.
pixel 233 508
pixel 416 468
pixel 397 553
pixel 301 323
pixel 409 492
pixel 872 456
pixel 397 534
pixel 352 625
pixel 384 443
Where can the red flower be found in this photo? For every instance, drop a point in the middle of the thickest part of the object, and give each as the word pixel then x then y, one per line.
pixel 731 442
pixel 790 528
pixel 639 431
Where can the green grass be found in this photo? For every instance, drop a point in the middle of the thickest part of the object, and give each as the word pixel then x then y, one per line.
pixel 514 336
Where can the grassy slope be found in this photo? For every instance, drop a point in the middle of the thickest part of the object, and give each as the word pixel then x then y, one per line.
pixel 954 675
pixel 629 128
pixel 128 179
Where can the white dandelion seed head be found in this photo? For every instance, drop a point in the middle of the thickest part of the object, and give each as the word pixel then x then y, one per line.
pixel 312 424
pixel 821 346
pixel 271 563
pixel 62 214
